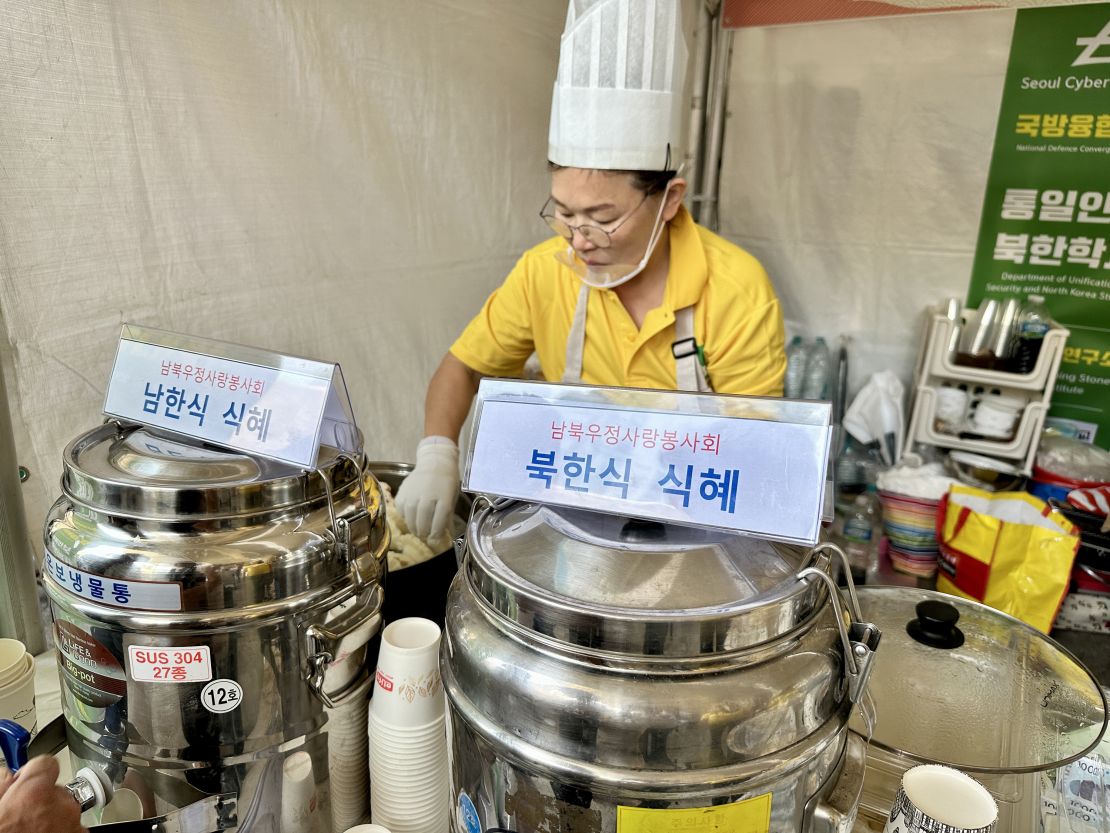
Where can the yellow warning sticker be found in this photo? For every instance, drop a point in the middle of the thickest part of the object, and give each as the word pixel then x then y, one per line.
pixel 752 815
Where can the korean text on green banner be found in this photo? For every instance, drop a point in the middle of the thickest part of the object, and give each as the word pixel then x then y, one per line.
pixel 1045 227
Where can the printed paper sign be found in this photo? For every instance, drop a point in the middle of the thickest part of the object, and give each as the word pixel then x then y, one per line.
pixel 752 815
pixel 137 595
pixel 162 664
pixel 757 475
pixel 234 396
pixel 1045 225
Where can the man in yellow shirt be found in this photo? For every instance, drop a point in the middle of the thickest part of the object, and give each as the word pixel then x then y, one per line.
pixel 737 323
pixel 631 292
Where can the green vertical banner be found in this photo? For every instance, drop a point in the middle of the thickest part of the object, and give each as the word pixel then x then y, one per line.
pixel 1045 228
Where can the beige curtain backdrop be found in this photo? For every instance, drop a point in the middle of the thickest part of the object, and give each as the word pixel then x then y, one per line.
pixel 344 180
pixel 348 180
pixel 854 167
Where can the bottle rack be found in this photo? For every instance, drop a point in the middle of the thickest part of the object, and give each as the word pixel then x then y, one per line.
pixel 936 367
pixel 940 358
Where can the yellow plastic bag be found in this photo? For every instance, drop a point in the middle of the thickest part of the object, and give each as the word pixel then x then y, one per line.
pixel 1009 550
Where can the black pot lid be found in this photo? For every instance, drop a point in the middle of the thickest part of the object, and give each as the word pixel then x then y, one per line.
pixel 958 683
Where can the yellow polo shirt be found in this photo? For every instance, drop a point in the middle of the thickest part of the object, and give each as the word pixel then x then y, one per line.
pixel 737 320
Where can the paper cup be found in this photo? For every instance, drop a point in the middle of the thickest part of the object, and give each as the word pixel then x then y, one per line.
pixel 939 799
pixel 348 762
pixel 408 690
pixel 298 794
pixel 17 697
pixel 12 653
pixel 367 828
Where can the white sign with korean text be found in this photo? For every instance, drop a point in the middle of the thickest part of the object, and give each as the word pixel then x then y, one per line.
pixel 230 395
pixel 759 476
pixel 135 595
pixel 169 663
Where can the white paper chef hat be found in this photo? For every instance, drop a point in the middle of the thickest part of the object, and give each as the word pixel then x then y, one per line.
pixel 617 103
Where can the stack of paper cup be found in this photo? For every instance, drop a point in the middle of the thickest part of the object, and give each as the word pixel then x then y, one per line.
pixel 17 685
pixel 348 764
pixel 408 742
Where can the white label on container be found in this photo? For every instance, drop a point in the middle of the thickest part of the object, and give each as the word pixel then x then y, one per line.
pixel 221 696
pixel 758 476
pixel 168 664
pixel 136 595
pixel 243 398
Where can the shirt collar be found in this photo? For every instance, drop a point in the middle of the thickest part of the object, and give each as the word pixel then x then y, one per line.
pixel 687 259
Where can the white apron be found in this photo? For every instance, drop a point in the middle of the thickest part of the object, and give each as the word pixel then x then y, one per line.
pixel 689 371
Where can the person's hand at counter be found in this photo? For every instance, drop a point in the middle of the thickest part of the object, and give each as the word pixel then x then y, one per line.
pixel 32 801
pixel 426 499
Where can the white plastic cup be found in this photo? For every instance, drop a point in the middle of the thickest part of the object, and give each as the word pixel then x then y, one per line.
pixel 935 797
pixel 408 691
pixel 17 696
pixel 12 652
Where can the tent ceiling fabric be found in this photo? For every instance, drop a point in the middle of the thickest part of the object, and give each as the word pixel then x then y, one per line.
pixel 342 180
pixel 854 166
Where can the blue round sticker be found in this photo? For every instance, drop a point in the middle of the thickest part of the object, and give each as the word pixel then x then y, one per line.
pixel 468 814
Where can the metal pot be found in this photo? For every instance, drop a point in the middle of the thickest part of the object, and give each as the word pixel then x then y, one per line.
pixel 420 589
pixel 961 684
pixel 597 668
pixel 208 607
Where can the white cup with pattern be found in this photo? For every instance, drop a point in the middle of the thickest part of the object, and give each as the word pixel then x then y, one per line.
pixel 408 691
pixel 939 799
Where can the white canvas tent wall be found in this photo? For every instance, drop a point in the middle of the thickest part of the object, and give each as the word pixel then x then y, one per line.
pixel 347 180
pixel 343 180
pixel 855 163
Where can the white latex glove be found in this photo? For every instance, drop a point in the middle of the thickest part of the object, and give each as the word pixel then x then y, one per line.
pixel 426 499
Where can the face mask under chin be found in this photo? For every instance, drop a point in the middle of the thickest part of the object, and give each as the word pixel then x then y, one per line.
pixel 613 274
pixel 599 277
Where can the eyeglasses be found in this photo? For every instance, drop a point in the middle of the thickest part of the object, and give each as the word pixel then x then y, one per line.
pixel 594 235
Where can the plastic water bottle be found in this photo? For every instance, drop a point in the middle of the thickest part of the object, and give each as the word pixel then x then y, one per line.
pixel 1033 323
pixel 818 362
pixel 861 533
pixel 795 368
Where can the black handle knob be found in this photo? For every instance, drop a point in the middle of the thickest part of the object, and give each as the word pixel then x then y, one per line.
pixel 935 625
pixel 640 531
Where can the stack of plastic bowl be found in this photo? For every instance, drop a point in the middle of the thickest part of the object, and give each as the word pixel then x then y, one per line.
pixel 910 527
pixel 409 786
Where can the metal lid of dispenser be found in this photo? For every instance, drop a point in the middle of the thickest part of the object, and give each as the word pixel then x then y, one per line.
pixel 229 529
pixel 636 587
